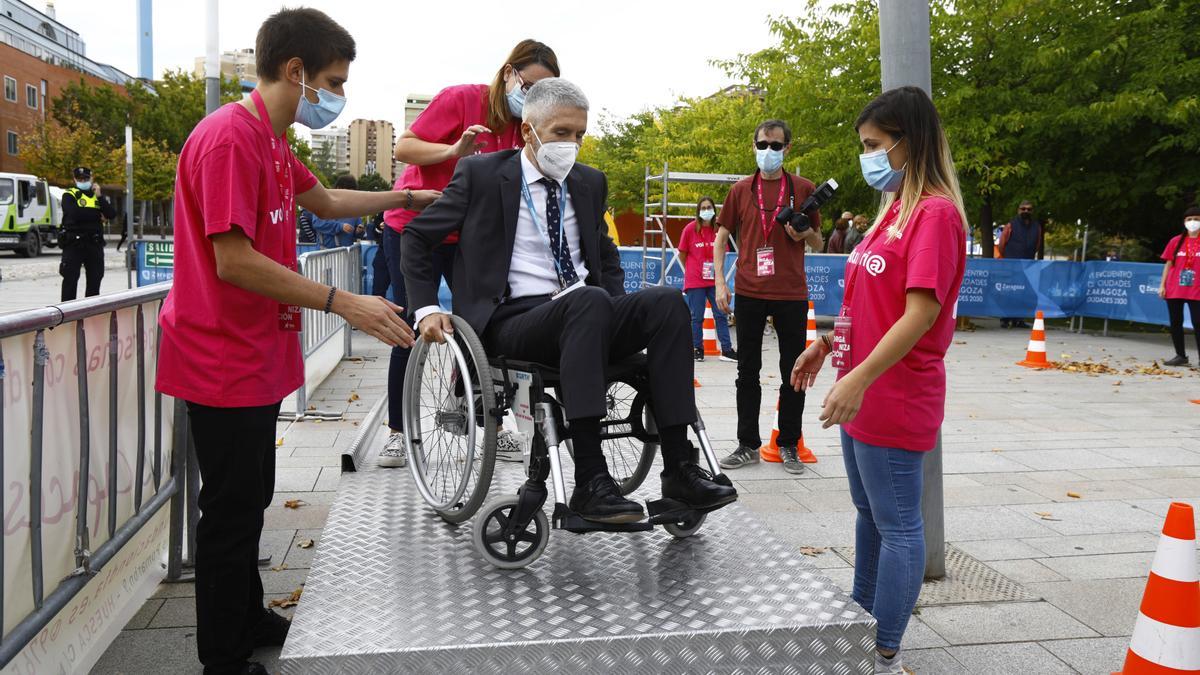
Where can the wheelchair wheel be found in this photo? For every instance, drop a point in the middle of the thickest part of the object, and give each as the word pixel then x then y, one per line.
pixel 489 540
pixel 685 529
pixel 623 429
pixel 450 432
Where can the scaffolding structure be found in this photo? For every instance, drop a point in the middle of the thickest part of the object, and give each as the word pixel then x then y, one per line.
pixel 657 210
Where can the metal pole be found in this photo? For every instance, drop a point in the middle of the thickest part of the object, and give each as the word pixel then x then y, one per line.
pixel 1083 259
pixel 129 247
pixel 82 536
pixel 145 40
pixel 904 60
pixel 212 63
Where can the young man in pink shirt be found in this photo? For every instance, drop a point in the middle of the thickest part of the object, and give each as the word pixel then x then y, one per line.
pixel 230 325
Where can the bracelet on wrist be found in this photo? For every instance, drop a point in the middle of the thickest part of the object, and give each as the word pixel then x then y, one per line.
pixel 329 300
pixel 828 344
pixel 408 199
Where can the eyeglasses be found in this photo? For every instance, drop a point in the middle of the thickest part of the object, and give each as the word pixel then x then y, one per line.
pixel 524 85
pixel 763 145
pixel 1024 210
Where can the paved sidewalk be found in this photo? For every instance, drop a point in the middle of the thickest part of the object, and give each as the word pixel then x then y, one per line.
pixel 1016 442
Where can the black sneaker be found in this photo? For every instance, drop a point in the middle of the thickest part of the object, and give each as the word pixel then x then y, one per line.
pixel 1020 324
pixel 599 500
pixel 791 463
pixel 1178 360
pixel 729 355
pixel 741 457
pixel 271 630
pixel 1004 323
pixel 698 353
pixel 695 487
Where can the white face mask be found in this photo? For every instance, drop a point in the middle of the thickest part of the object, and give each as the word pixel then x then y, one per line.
pixel 555 159
pixel 1193 226
pixel 707 214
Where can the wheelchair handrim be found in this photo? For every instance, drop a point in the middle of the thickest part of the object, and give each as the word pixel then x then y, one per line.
pixel 412 401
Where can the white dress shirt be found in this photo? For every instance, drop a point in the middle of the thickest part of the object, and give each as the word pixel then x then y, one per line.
pixel 531 270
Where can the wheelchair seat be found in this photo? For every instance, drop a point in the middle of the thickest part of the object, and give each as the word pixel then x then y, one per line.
pixel 628 369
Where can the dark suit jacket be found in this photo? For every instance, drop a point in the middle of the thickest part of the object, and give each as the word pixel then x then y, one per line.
pixel 481 204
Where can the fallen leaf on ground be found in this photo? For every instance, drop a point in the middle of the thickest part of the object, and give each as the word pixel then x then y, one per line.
pixel 312 407
pixel 280 567
pixel 353 398
pixel 304 543
pixel 812 550
pixel 294 503
pixel 290 601
pixel 1041 513
pixel 1117 383
pixel 1087 367
pixel 1075 495
pixel 279 443
pixel 960 342
pixel 997 450
pixel 1065 356
pixel 1045 515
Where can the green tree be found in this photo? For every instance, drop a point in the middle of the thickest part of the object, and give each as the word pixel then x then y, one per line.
pixel 53 150
pixel 373 182
pixel 324 160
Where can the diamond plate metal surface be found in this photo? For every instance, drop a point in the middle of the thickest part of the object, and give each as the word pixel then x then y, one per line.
pixel 967 581
pixel 394 589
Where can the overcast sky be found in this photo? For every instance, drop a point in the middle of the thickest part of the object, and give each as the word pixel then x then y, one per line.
pixel 626 55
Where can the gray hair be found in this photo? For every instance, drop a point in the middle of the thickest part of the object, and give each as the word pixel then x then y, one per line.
pixel 550 94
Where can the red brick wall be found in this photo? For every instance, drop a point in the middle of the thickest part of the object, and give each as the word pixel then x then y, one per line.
pixel 18 116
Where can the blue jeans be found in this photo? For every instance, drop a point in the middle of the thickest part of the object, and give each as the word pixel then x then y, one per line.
pixel 695 301
pixel 889 536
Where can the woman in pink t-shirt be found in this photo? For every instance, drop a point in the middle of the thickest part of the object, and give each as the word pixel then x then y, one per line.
pixel 462 120
pixel 1181 283
pixel 699 283
pixel 890 339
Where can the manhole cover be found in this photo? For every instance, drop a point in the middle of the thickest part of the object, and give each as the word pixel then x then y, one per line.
pixel 967 581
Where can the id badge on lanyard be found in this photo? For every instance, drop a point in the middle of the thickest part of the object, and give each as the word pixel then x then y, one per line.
pixel 1187 278
pixel 708 271
pixel 840 356
pixel 765 258
pixel 289 315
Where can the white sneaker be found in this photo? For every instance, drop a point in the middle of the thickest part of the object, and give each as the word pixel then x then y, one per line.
pixel 393 455
pixel 892 666
pixel 510 446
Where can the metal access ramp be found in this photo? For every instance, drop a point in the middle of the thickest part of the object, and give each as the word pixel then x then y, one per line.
pixel 394 589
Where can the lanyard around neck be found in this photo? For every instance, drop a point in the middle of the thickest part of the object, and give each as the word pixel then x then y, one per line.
pixel 537 224
pixel 768 223
pixel 280 156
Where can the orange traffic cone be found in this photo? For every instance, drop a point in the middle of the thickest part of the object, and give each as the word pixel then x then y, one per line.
pixel 1166 637
pixel 710 333
pixel 695 383
pixel 1196 401
pixel 770 451
pixel 811 337
pixel 1035 355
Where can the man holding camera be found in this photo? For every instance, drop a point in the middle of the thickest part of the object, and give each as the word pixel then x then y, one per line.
pixel 763 211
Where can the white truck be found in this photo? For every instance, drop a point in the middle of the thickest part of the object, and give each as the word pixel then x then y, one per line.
pixel 30 214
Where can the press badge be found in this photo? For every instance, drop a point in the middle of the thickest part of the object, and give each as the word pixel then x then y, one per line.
pixel 766 261
pixel 840 356
pixel 1187 277
pixel 563 291
pixel 289 315
pixel 707 271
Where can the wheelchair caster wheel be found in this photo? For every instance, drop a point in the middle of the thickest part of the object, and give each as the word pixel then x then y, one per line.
pixel 687 528
pixel 488 535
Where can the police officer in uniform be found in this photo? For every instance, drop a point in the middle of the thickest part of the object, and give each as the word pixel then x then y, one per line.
pixel 82 239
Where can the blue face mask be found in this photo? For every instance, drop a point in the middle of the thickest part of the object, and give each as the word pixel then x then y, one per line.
pixel 769 160
pixel 84 185
pixel 516 97
pixel 322 113
pixel 878 172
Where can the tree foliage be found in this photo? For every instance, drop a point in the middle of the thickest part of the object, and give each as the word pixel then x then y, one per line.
pixel 1089 108
pixel 373 182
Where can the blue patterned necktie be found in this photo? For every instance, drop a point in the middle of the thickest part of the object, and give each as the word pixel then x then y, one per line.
pixel 561 250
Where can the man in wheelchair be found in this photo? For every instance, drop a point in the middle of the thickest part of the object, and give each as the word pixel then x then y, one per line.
pixel 537 276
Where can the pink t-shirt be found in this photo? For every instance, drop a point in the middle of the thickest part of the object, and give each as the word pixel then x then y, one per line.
pixel 449 114
pixel 1188 257
pixel 223 346
pixel 904 407
pixel 698 249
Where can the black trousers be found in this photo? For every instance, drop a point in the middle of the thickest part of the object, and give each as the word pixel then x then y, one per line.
pixel 584 330
pixel 1175 312
pixel 81 250
pixel 443 266
pixel 791 323
pixel 381 278
pixel 235 448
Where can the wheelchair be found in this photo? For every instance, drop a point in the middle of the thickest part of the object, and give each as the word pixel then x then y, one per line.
pixel 454 399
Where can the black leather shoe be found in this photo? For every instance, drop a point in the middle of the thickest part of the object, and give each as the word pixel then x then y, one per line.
pixel 1178 360
pixel 271 630
pixel 599 500
pixel 244 668
pixel 695 487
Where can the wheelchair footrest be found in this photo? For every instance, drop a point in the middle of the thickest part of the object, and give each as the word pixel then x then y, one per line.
pixel 666 510
pixel 566 519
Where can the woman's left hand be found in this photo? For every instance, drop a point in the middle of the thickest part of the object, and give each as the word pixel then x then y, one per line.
pixel 843 401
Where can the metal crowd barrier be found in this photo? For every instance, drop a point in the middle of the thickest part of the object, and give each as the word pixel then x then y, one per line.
pixel 166 488
pixel 341 267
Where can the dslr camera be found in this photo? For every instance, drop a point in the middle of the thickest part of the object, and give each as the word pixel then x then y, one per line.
pixel 799 219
